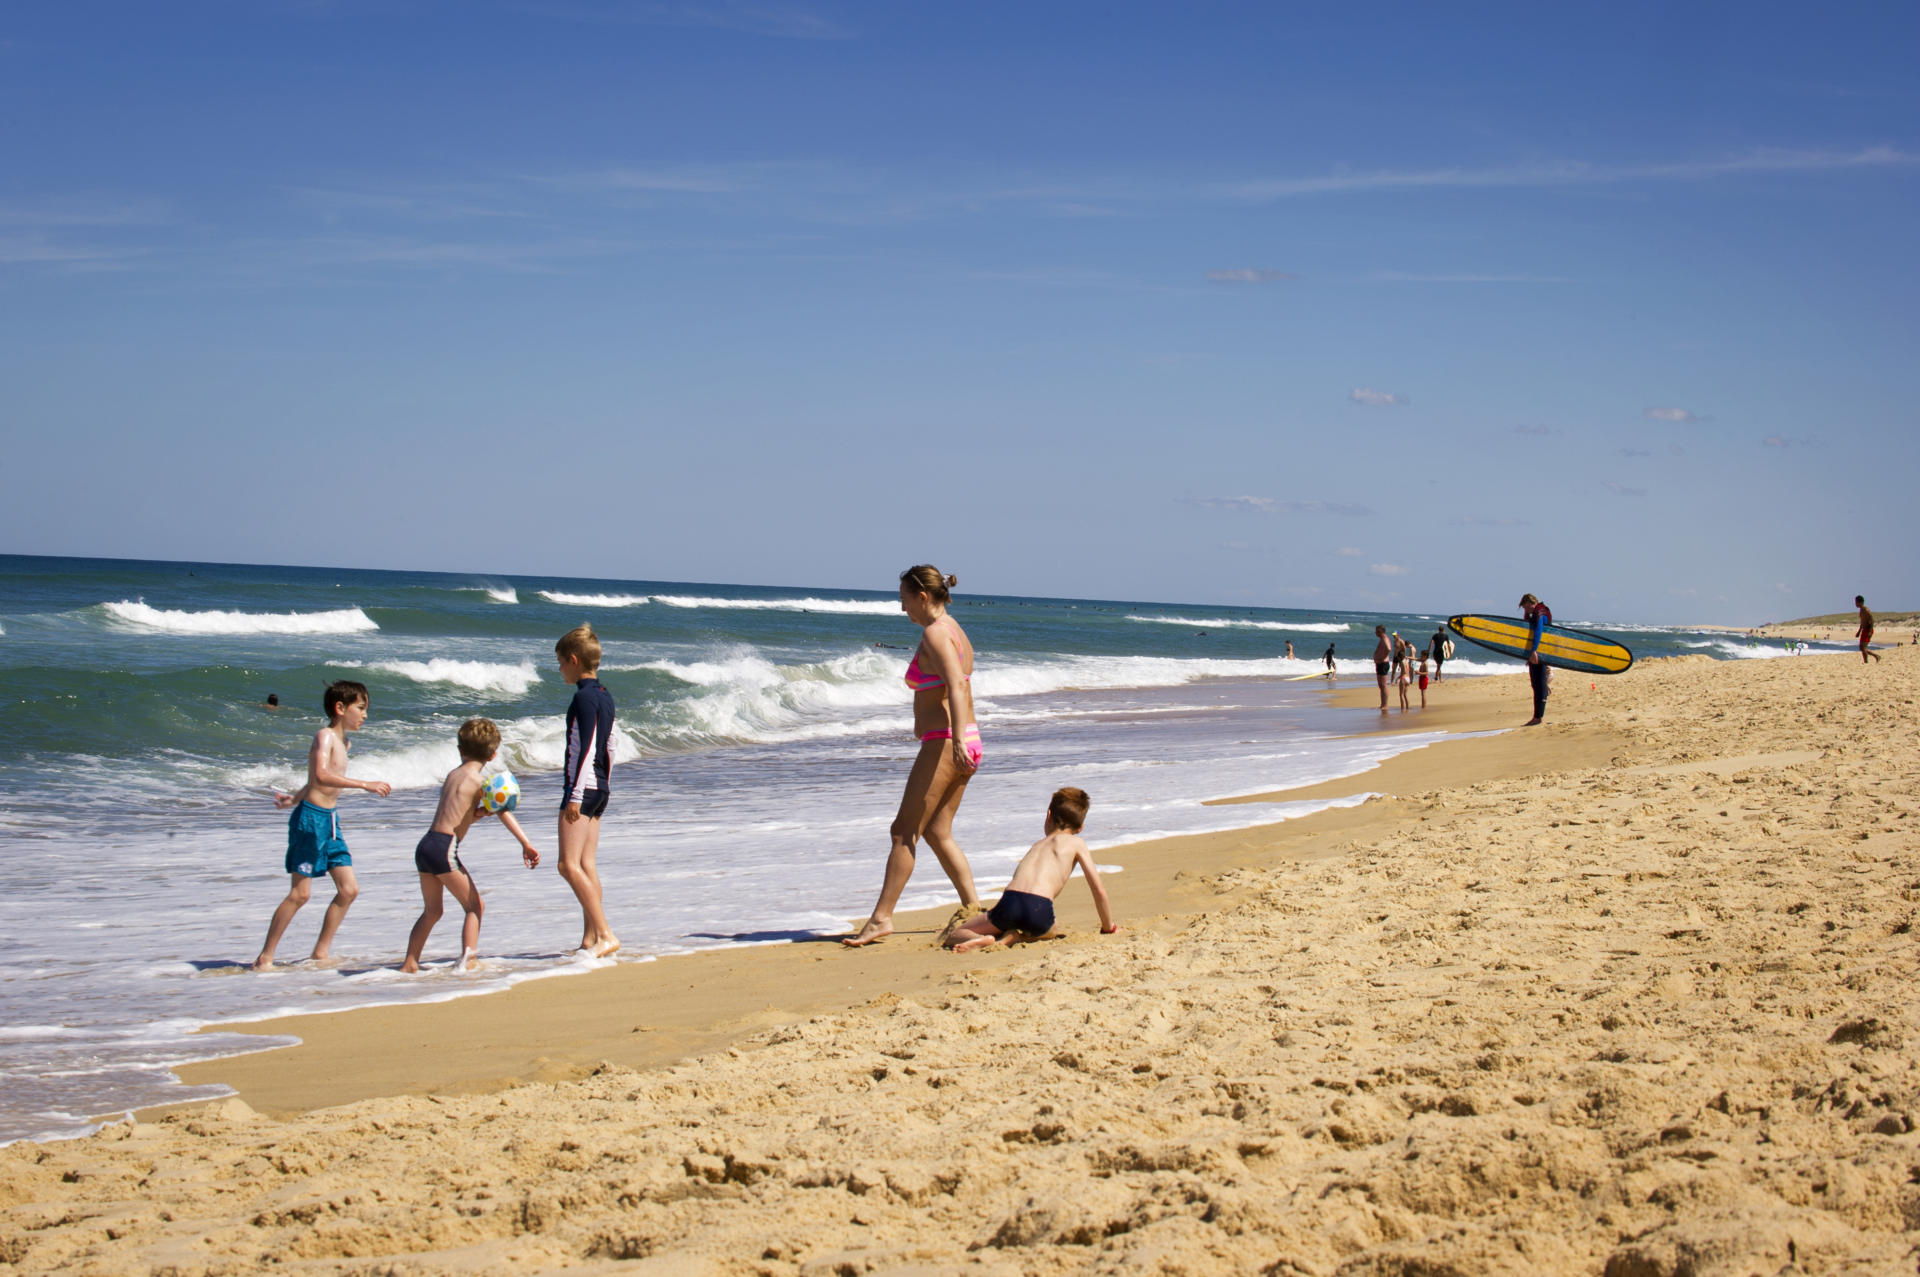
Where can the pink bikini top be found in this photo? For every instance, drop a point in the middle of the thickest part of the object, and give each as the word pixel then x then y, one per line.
pixel 921 681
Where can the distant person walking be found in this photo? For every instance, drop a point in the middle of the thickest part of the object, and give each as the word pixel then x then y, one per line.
pixel 1329 660
pixel 1866 628
pixel 941 676
pixel 1382 662
pixel 1538 615
pixel 1437 652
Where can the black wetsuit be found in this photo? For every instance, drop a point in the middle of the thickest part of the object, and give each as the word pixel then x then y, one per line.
pixel 589 748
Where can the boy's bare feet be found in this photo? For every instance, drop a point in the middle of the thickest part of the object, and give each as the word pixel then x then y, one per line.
pixel 978 942
pixel 605 948
pixel 960 917
pixel 469 961
pixel 870 933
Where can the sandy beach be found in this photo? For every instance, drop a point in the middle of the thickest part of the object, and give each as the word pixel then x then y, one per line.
pixel 1630 993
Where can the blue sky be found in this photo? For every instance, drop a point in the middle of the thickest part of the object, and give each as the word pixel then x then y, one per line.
pixel 1232 303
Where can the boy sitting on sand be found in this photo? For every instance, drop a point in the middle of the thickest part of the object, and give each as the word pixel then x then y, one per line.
pixel 438 855
pixel 314 844
pixel 1026 906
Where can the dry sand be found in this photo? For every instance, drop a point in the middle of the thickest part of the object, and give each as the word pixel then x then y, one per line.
pixel 1630 993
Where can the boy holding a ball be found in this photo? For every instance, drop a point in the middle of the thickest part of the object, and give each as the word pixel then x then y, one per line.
pixel 438 855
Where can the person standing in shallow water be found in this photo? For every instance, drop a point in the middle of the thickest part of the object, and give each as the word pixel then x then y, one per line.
pixel 941 676
pixel 1382 662
pixel 1538 615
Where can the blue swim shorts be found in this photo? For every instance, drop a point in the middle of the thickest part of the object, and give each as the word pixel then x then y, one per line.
pixel 314 844
pixel 1022 911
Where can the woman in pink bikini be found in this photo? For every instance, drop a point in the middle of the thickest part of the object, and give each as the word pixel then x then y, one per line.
pixel 941 676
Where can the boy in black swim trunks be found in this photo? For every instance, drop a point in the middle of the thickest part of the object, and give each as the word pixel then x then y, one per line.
pixel 1026 906
pixel 438 855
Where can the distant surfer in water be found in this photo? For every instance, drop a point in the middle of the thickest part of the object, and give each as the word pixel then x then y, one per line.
pixel 1538 615
pixel 1329 659
pixel 1289 649
pixel 941 676
pixel 1866 628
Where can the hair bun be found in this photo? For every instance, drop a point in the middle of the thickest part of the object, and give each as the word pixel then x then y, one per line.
pixel 952 581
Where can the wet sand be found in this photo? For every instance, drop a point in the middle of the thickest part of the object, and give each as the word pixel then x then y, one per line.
pixel 1630 992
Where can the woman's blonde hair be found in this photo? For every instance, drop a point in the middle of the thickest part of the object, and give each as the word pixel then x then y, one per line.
pixel 926 579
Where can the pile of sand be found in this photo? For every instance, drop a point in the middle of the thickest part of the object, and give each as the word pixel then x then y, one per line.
pixel 1655 1018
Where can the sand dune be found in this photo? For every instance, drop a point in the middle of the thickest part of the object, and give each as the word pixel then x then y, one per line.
pixel 1650 1017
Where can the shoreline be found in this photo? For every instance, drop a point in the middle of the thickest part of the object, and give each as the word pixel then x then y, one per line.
pixel 1628 992
pixel 661 1011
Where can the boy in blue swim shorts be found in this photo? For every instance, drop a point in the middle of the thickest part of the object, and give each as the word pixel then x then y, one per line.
pixel 1025 910
pixel 314 844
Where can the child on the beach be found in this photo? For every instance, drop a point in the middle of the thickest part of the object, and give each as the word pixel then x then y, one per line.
pixel 314 845
pixel 438 855
pixel 1026 906
pixel 587 775
pixel 1406 678
pixel 1423 682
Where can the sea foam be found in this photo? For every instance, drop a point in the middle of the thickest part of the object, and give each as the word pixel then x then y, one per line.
pixel 594 600
pixel 865 607
pixel 1215 623
pixel 503 593
pixel 481 676
pixel 138 614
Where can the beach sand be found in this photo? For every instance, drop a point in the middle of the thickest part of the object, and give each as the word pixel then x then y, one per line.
pixel 1628 993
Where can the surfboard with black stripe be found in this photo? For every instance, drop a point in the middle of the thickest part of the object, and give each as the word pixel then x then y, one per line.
pixel 1559 646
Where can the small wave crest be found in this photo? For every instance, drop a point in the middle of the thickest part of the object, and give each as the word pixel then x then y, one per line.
pixel 1215 623
pixel 866 607
pixel 503 593
pixel 138 614
pixel 480 676
pixel 594 600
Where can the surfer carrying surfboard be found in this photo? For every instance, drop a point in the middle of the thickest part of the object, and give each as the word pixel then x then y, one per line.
pixel 1538 614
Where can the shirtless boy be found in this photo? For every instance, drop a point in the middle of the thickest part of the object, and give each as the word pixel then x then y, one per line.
pixel 314 845
pixel 438 855
pixel 1026 906
pixel 1866 629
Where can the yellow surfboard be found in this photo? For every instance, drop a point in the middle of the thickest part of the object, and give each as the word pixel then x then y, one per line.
pixel 1568 649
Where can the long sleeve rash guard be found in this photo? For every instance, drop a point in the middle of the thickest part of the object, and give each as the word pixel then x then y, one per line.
pixel 589 740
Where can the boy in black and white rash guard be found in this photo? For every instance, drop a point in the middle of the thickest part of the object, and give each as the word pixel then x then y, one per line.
pixel 587 779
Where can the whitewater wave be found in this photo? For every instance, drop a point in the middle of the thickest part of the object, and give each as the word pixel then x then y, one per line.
pixel 138 614
pixel 503 593
pixel 1749 650
pixel 1214 623
pixel 594 600
pixel 867 607
pixel 480 676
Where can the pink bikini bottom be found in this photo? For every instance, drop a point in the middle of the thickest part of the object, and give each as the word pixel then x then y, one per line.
pixel 970 735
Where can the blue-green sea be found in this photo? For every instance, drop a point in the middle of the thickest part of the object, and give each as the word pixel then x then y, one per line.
pixel 763 738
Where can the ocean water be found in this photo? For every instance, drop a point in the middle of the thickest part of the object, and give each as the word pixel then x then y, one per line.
pixel 763 739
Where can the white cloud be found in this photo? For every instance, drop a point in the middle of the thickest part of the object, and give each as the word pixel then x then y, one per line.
pixel 1680 415
pixel 1377 398
pixel 1410 277
pixel 1351 552
pixel 1249 275
pixel 1572 173
pixel 1271 505
pixel 783 21
pixel 1386 569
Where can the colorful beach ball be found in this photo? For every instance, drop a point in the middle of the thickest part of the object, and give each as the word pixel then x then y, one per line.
pixel 500 793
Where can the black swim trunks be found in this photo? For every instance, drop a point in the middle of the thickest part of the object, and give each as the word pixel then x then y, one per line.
pixel 1022 911
pixel 593 802
pixel 1380 668
pixel 438 854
